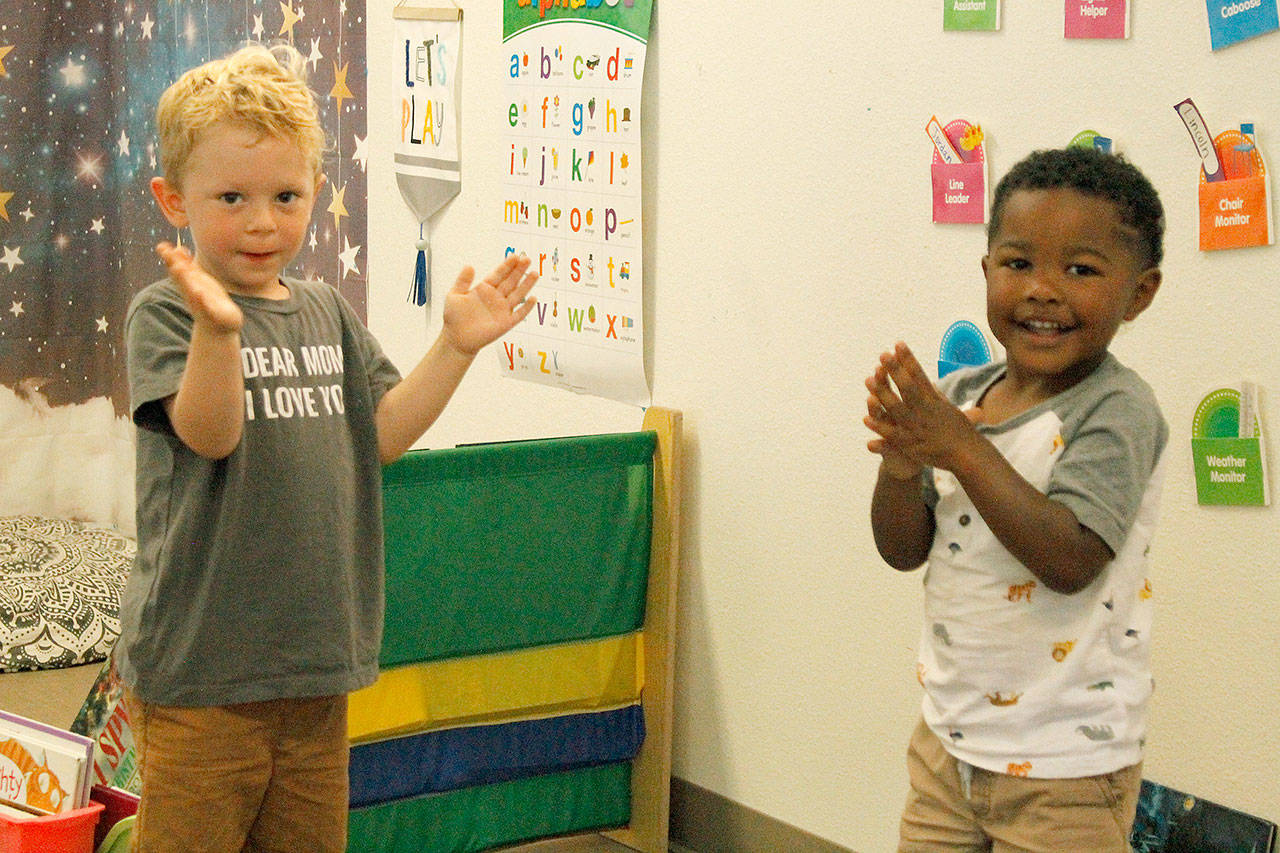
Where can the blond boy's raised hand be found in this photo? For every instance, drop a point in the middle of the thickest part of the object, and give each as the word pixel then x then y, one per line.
pixel 474 317
pixel 477 315
pixel 207 412
pixel 205 295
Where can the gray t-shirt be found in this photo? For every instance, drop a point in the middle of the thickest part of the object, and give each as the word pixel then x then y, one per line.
pixel 258 576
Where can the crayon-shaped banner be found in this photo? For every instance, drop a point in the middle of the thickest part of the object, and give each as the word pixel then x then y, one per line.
pixel 1201 138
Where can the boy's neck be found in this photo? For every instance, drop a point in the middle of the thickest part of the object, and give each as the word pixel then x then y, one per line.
pixel 1013 394
pixel 277 292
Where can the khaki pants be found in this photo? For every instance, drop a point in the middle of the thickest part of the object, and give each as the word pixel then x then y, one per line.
pixel 1003 813
pixel 264 776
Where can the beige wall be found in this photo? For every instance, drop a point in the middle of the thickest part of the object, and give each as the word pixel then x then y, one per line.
pixel 787 243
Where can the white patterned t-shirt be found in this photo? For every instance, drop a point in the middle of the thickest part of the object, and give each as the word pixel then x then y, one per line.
pixel 1020 679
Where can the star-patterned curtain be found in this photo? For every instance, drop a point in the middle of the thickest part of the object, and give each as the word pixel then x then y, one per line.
pixel 79 80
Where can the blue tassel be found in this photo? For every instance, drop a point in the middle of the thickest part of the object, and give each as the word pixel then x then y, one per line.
pixel 420 294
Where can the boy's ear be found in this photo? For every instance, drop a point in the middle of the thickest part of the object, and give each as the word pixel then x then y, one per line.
pixel 170 201
pixel 1145 291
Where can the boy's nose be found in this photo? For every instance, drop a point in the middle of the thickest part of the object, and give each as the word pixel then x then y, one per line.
pixel 261 219
pixel 1042 288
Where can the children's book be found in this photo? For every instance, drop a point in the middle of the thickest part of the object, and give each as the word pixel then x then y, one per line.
pixel 1169 821
pixel 103 718
pixel 42 766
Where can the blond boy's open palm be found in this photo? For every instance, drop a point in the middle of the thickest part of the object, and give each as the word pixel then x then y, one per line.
pixel 205 295
pixel 477 315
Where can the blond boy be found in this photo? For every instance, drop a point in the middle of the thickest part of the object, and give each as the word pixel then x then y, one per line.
pixel 266 410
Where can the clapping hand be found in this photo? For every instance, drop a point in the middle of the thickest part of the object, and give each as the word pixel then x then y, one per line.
pixel 914 423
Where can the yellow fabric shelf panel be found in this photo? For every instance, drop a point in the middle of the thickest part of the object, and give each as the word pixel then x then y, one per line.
pixel 524 684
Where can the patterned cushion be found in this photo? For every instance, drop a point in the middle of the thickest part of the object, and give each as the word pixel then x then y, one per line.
pixel 60 585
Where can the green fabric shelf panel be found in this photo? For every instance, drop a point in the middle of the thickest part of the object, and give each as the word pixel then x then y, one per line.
pixel 506 546
pixel 486 816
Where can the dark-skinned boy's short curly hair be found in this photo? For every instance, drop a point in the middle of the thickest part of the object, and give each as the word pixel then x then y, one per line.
pixel 1096 173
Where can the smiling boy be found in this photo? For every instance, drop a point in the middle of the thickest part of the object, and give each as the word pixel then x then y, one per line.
pixel 1030 487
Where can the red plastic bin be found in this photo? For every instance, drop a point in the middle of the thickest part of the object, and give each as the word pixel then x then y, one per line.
pixel 69 832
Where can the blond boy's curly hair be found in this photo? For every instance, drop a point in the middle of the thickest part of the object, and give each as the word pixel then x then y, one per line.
pixel 263 88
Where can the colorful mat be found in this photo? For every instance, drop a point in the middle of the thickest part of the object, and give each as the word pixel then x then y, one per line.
pixel 512 660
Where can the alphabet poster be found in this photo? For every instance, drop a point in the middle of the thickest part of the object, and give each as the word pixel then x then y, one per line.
pixel 572 198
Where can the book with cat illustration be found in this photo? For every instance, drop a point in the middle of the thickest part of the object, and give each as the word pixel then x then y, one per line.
pixel 43 768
